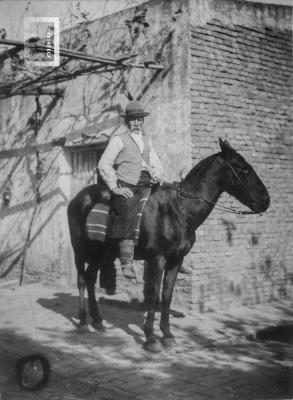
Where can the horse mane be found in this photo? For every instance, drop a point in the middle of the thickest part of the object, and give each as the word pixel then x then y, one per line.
pixel 197 171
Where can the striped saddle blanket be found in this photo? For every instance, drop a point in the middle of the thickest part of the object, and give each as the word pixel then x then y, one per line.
pixel 98 219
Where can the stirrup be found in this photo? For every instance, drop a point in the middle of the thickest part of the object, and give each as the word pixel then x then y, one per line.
pixel 128 271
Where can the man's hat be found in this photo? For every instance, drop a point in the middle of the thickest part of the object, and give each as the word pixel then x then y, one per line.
pixel 134 109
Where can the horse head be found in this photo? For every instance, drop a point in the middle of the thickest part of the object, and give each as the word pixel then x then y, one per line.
pixel 240 180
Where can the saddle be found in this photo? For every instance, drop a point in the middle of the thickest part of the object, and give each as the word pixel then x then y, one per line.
pixel 98 220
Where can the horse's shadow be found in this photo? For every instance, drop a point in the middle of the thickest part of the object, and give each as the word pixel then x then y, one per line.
pixel 117 314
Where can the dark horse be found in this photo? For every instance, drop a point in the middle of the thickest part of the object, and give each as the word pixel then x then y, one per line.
pixel 168 227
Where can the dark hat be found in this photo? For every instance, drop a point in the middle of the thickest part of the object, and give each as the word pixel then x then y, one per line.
pixel 134 109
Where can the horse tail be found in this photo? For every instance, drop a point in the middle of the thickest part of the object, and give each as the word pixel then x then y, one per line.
pixel 77 212
pixel 75 222
pixel 78 208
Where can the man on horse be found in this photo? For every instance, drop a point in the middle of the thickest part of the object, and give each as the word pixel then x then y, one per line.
pixel 128 164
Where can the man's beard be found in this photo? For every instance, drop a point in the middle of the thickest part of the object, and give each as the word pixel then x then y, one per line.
pixel 136 130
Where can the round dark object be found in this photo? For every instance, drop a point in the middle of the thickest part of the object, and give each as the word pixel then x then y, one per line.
pixel 33 372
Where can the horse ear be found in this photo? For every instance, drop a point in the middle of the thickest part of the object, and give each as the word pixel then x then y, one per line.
pixel 226 148
pixel 221 143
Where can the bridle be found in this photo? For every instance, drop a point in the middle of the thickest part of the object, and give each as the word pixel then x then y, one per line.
pixel 244 186
pixel 220 207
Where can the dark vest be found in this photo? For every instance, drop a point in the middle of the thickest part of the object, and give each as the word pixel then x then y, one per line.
pixel 129 160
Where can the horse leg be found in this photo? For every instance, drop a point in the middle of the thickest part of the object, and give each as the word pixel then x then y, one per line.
pixel 154 277
pixel 80 265
pixel 168 287
pixel 91 278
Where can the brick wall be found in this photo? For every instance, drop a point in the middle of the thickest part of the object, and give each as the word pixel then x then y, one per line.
pixel 241 89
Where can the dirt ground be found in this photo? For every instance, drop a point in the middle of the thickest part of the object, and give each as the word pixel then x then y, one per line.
pixel 244 353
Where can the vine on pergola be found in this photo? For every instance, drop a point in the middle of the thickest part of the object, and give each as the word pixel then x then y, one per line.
pixel 19 80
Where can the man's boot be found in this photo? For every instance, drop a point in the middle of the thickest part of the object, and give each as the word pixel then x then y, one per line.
pixel 126 249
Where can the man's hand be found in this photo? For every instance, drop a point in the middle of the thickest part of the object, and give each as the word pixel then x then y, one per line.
pixel 123 191
pixel 156 181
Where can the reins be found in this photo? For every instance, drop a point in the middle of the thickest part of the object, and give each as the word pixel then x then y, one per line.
pixel 220 207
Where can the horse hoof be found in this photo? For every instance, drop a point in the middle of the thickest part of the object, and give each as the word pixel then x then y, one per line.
pixel 81 324
pixel 82 328
pixel 169 342
pixel 99 326
pixel 153 347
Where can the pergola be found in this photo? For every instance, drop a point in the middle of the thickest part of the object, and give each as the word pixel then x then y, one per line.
pixel 42 84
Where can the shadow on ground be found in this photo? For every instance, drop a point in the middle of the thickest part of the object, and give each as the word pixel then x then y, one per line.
pixel 66 370
pixel 116 317
pixel 218 372
pixel 259 366
pixel 117 313
pixel 279 333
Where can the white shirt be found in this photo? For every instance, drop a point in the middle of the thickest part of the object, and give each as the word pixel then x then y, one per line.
pixel 114 147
